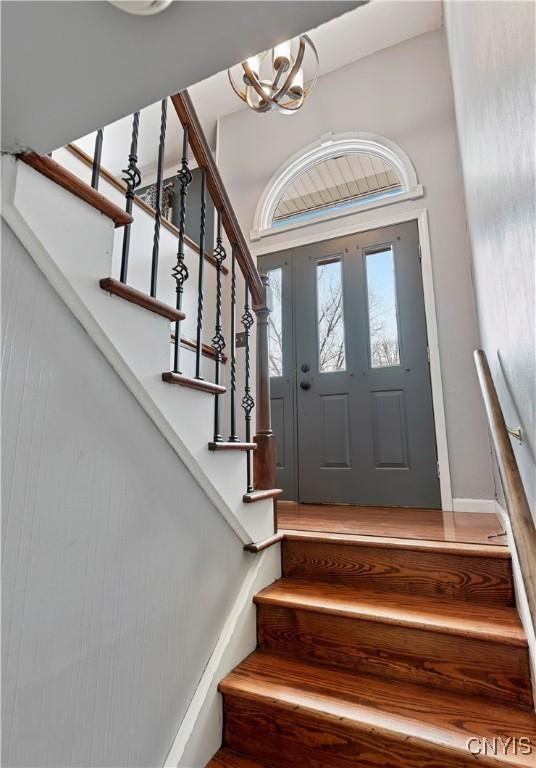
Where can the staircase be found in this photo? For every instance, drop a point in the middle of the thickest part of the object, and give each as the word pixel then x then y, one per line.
pixel 382 652
pixel 164 309
pixel 371 651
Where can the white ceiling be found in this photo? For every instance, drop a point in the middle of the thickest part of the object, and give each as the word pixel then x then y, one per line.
pixel 358 33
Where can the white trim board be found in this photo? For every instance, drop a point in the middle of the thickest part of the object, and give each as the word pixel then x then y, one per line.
pixel 389 218
pixel 200 733
pixel 474 505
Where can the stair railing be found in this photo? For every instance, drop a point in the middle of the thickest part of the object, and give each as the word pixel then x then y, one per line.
pixel 261 477
pixel 257 288
pixel 522 523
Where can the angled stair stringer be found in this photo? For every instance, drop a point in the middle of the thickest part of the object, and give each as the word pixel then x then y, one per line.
pixel 72 244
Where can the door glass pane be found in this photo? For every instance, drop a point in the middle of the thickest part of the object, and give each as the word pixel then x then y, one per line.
pixel 275 324
pixel 330 317
pixel 382 310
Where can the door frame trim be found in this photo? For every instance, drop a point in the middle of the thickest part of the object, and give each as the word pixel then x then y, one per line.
pixel 420 215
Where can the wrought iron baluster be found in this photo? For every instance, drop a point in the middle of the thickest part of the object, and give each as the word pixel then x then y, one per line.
pixel 218 341
pixel 248 402
pixel 132 178
pixel 158 199
pixel 233 438
pixel 97 153
pixel 200 276
pixel 180 270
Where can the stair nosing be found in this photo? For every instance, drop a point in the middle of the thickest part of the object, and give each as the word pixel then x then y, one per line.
pixel 262 598
pixel 462 549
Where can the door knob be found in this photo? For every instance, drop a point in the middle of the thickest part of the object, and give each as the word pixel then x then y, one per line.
pixel 305 384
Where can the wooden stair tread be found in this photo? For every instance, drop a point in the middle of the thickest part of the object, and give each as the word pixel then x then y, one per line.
pixel 270 493
pixel 227 758
pixel 416 545
pixel 232 446
pixel 117 288
pixel 411 712
pixel 188 381
pixel 64 178
pixel 499 624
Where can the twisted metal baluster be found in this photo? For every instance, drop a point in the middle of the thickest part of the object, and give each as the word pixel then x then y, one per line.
pixel 158 199
pixel 200 277
pixel 132 178
pixel 180 271
pixel 233 438
pixel 97 153
pixel 218 341
pixel 248 403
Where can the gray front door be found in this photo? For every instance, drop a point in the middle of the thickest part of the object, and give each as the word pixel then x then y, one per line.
pixel 350 385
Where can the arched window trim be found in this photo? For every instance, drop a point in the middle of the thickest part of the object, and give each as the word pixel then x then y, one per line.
pixel 328 146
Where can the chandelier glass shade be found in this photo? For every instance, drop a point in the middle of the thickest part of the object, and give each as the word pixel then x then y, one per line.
pixel 274 80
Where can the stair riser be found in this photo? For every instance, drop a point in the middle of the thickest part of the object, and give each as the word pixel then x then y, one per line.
pixel 283 737
pixel 403 653
pixel 479 579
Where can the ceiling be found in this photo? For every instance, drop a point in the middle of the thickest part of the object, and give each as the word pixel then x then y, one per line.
pixel 359 33
pixel 72 66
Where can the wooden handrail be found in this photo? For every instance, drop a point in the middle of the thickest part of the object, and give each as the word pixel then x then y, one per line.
pixel 201 151
pixel 517 505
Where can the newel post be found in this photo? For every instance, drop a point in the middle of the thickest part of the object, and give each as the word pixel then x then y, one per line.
pixel 265 457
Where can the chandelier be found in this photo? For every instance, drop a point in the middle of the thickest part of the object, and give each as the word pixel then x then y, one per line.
pixel 275 79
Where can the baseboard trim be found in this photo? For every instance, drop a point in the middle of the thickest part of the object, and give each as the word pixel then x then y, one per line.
pixel 474 505
pixel 199 735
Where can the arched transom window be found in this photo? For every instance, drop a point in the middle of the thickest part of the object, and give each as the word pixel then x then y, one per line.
pixel 333 177
pixel 343 180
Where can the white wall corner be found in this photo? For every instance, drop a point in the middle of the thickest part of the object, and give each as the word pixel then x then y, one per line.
pixel 521 595
pixel 200 733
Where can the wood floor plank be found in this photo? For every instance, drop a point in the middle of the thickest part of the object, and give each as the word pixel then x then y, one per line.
pixel 227 758
pixel 398 522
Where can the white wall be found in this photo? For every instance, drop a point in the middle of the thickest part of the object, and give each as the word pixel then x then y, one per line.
pixel 118 573
pixel 492 54
pixel 404 94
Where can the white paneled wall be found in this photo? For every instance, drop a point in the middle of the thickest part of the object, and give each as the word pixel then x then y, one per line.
pixel 118 573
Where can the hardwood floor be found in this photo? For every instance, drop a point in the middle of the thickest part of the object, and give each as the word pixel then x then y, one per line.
pixel 398 522
pixel 382 648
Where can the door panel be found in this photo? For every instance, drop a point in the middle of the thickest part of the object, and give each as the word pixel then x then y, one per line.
pixel 389 429
pixel 357 378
